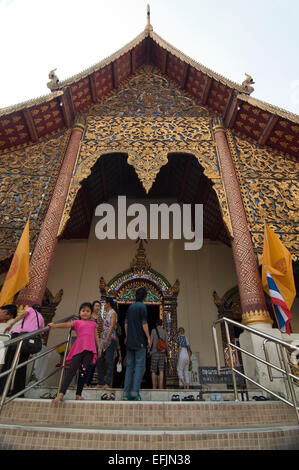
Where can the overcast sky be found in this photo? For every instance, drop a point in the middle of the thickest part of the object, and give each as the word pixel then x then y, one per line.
pixel 231 37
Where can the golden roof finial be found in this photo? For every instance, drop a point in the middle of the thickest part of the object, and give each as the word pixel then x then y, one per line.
pixel 140 262
pixel 148 14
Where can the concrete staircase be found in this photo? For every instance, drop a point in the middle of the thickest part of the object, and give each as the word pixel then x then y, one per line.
pixel 34 423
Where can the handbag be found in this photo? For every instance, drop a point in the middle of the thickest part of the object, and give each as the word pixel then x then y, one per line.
pixel 161 344
pixel 32 345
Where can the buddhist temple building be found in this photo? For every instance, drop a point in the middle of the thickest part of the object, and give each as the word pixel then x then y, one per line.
pixel 155 127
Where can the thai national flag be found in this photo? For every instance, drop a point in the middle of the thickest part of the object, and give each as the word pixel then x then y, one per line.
pixel 282 312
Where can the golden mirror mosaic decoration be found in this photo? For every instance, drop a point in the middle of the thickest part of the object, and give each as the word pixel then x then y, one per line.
pixel 27 180
pixel 269 183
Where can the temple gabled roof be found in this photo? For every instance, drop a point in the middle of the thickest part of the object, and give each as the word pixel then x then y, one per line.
pixel 253 119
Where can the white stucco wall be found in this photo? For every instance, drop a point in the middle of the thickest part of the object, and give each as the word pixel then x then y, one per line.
pixel 78 265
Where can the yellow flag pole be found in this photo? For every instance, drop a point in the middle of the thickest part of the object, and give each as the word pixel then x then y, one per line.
pixel 272 306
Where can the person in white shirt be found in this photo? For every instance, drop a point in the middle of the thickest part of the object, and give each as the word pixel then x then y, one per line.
pixel 7 314
pixel 184 358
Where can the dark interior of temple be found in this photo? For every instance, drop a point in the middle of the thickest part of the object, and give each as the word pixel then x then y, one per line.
pixel 182 180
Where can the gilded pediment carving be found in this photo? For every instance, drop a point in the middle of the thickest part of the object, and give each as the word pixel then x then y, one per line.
pixel 147 118
pixel 269 182
pixel 28 178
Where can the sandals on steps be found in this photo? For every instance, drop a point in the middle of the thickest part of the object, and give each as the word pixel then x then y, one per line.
pixel 189 398
pixel 108 396
pixel 48 396
pixel 175 398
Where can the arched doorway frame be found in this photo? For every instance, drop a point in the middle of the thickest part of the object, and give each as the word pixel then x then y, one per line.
pixel 160 292
pixel 126 291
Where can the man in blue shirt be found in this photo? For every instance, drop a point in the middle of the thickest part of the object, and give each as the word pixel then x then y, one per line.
pixel 137 341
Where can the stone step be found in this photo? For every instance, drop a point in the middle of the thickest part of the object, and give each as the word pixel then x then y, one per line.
pixel 46 438
pixel 148 394
pixel 148 415
pixel 34 423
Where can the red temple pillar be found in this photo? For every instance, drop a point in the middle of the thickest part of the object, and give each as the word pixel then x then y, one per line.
pixel 252 297
pixel 44 249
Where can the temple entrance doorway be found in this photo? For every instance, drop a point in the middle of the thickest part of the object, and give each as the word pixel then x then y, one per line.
pixel 181 180
pixel 152 315
pixel 161 302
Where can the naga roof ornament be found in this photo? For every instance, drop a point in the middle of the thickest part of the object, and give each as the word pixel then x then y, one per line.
pixel 246 84
pixel 53 84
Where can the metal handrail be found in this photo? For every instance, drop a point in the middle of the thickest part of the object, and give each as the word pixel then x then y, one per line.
pixel 15 366
pixel 267 358
pixel 5 334
pixel 281 346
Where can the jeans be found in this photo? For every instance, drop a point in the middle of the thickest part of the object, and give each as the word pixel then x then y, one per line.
pixel 134 371
pixel 108 357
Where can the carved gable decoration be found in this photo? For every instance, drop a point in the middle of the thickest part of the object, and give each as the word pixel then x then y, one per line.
pixel 269 183
pixel 148 117
pixel 28 178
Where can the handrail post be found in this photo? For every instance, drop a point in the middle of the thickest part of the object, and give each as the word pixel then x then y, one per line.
pixel 216 349
pixel 282 365
pixel 64 360
pixel 290 383
pixel 231 360
pixel 13 368
pixel 268 360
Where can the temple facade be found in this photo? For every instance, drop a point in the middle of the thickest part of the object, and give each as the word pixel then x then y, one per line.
pixel 153 126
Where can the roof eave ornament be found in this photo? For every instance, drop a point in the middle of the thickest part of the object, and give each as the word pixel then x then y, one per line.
pixel 53 84
pixel 148 27
pixel 247 88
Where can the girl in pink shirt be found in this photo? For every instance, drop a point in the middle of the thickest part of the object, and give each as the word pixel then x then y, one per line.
pixel 84 350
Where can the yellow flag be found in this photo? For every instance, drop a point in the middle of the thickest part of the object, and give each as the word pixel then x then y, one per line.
pixel 18 273
pixel 277 261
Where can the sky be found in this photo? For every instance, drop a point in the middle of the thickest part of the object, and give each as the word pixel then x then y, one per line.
pixel 231 37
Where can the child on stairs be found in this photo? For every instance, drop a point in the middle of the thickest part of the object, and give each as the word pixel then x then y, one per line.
pixel 84 350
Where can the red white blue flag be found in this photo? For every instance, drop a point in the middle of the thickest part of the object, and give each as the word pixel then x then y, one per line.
pixel 282 312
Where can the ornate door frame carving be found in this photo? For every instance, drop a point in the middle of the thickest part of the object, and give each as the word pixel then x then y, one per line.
pixel 160 292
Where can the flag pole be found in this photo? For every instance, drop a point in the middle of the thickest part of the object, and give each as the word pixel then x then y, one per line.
pixel 273 309
pixel 275 315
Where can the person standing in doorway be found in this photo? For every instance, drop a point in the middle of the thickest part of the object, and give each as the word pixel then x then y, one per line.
pixel 184 358
pixel 158 357
pixel 137 342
